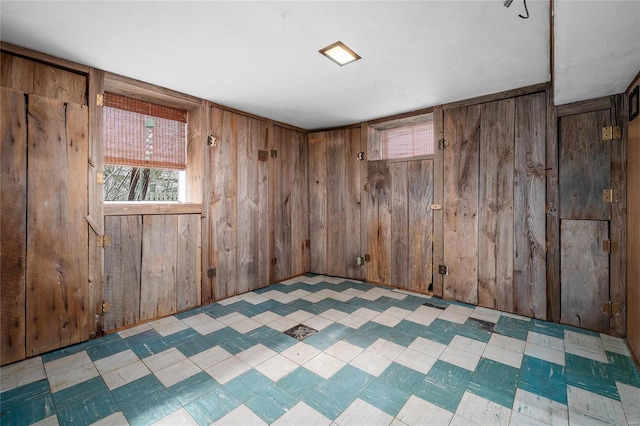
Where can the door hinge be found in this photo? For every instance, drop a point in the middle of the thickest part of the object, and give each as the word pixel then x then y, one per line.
pixel 99 178
pixel 263 155
pixel 611 132
pixel 212 272
pixel 104 240
pixel 274 153
pixel 443 144
pixel 366 187
pixel 274 261
pixel 212 141
pixel 361 260
pixel 443 269
pixel 610 246
pixel 611 309
pixel 106 307
pixel 436 206
pixel 100 99
pixel 611 196
pixel 360 156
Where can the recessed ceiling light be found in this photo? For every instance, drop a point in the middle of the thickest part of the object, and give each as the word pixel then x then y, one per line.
pixel 339 53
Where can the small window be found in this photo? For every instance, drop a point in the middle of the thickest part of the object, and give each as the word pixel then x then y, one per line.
pixel 144 150
pixel 408 140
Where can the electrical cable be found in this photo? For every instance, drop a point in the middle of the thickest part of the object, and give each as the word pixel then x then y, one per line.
pixel 526 10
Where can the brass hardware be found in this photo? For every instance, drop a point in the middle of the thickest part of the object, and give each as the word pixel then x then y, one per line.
pixel 99 178
pixel 361 260
pixel 100 99
pixel 212 140
pixel 360 156
pixel 366 187
pixel 610 133
pixel 106 307
pixel 263 155
pixel 274 153
pixel 104 241
pixel 443 144
pixel 443 269
pixel 610 246
pixel 436 207
pixel 611 196
pixel 610 309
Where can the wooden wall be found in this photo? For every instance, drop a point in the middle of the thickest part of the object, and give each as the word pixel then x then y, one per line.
pixel 633 227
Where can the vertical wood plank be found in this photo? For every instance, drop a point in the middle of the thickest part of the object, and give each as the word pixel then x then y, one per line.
pixel 56 83
pixel 529 264
pixel 159 263
pixel 585 166
pixel 188 261
pixel 96 203
pixel 210 290
pixel 13 223
pixel 282 225
pixel 364 200
pixel 318 201
pixel 259 130
pixel 299 203
pixel 336 210
pixel 16 73
pixel 460 162
pixel 247 211
pixel 373 144
pixel 584 273
pixel 420 198
pixel 552 208
pixel 399 225
pixel 618 229
pixel 379 222
pixel 495 240
pixel 438 198
pixel 122 271
pixel 57 265
pixel 352 203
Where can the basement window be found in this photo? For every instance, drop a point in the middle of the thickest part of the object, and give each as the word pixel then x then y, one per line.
pixel 144 150
pixel 406 138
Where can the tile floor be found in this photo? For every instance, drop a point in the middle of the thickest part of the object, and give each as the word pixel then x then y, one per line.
pixel 377 357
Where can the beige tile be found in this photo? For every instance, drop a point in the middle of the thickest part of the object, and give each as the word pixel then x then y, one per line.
pixel 333 314
pixel 300 316
pixel 245 326
pixel 177 372
pixel 353 321
pixel 362 413
pixel 115 419
pixel 277 367
pixel 300 352
pixel 168 326
pixel 210 357
pixel 241 416
pixel 266 317
pixel 456 314
pixel 227 370
pixel 300 411
pixel 417 412
pixel 482 411
pixel 282 324
pixel 427 347
pixel 196 319
pixel 370 363
pixel 485 314
pixel 365 313
pixel 416 360
pixel 324 365
pixel 540 409
pixel 256 355
pixel 460 358
pixel 398 312
pixel 179 417
pixel 125 374
pixel 388 320
pixel 232 318
pixel 163 359
pixel 134 330
pixel 67 363
pixel 385 349
pixel 344 351
pixel 318 323
pixel 70 377
pixel 116 361
pixel 22 373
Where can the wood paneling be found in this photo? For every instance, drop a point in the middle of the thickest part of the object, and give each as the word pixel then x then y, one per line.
pixel 529 262
pixel 122 271
pixel 584 273
pixel 553 210
pixel 57 232
pixel 584 166
pixel 318 202
pixel 16 72
pixel 282 205
pixel 299 180
pixel 438 198
pixel 495 236
pixel 461 160
pixel 420 220
pixel 379 222
pixel 399 226
pixel 353 194
pixel 336 204
pixel 633 237
pixel 13 223
pixel 188 268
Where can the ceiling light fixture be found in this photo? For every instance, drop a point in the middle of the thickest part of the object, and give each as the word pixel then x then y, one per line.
pixel 339 53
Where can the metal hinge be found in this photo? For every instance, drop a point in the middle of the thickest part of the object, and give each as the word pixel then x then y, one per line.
pixel 99 178
pixel 443 144
pixel 212 273
pixel 610 195
pixel 360 155
pixel 274 153
pixel 274 261
pixel 610 133
pixel 366 187
pixel 610 246
pixel 100 99
pixel 104 240
pixel 610 308
pixel 212 140
pixel 443 269
pixel 361 260
pixel 106 307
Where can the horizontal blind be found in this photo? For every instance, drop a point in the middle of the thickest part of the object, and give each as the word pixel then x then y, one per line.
pixel 142 134
pixel 410 140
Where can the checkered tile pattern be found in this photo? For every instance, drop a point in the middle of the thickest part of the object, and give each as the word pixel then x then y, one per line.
pixel 378 357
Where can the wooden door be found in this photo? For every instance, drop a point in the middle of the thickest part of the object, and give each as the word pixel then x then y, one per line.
pixel 399 223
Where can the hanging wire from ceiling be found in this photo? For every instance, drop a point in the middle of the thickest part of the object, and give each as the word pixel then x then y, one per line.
pixel 526 10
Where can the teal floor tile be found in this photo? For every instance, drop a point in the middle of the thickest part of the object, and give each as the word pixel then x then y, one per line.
pixel 238 344
pixel 360 338
pixel 495 381
pixel 513 327
pixel 624 369
pixel 190 347
pixel 193 388
pixel 411 328
pixel 402 377
pixel 444 385
pixel 300 382
pixel 181 337
pixel 320 341
pixel 329 400
pixel 263 333
pixel 351 379
pixel 212 406
pixel 398 337
pixel 441 331
pixel 590 375
pixel 107 348
pixel 271 403
pixel 474 329
pixel 248 385
pixel 280 342
pixel 88 411
pixel 543 378
pixel 27 404
pixel 82 392
pixel 385 397
pixel 547 328
pixel 149 409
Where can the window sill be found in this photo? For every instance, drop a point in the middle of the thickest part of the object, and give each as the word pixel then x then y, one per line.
pixel 117 208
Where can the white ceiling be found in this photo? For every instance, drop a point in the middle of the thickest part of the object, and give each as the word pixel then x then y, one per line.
pixel 262 57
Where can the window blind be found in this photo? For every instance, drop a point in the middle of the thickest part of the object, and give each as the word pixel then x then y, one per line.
pixel 142 134
pixel 410 140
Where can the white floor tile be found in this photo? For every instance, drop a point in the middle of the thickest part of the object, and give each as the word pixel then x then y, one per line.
pixel 125 374
pixel 471 346
pixel 416 360
pixel 241 416
pixel 594 405
pixel 277 367
pixel 116 361
pixel 427 347
pixel 482 411
pixel 318 323
pixel 495 353
pixel 232 318
pixel 460 358
pixel 22 373
pixel 456 314
pixel 585 346
pixel 47 421
pixel 179 417
pixel 300 316
pixel 630 398
pixel 324 365
pixel 333 314
pixel 245 326
pixel 66 363
pixel 256 355
pixel 301 413
pixel 362 413
pixel 506 342
pixel 545 353
pixel 485 314
pixel 71 377
pixel 300 352
pixel 282 324
pixel 388 320
pixel 134 330
pixel 353 321
pixel 115 419
pixel 196 319
pixel 419 412
pixel 370 363
pixel 168 326
pixel 365 313
pixel 227 370
pixel 542 410
pixel 614 344
pixel 546 341
pixel 210 357
pixel 266 317
pixel 344 351
pixel 461 421
pixel 163 359
pixel 177 372
pixel 386 349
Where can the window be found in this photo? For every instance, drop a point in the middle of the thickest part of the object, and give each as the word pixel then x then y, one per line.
pixel 410 139
pixel 144 150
